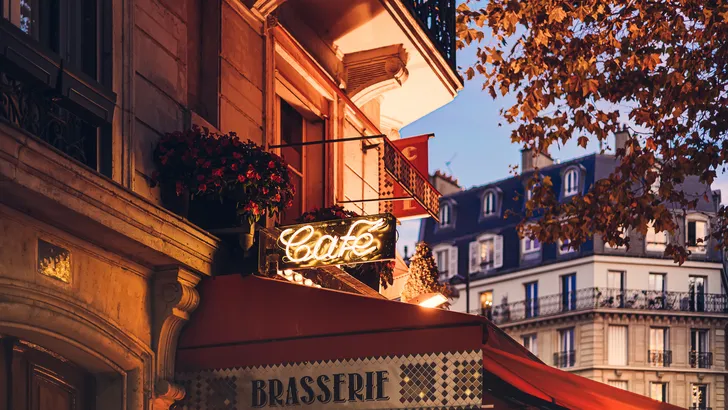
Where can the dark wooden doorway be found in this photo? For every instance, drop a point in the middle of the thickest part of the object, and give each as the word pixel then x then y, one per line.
pixel 35 378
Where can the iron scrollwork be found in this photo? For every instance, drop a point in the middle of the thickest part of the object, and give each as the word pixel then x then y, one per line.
pixel 34 109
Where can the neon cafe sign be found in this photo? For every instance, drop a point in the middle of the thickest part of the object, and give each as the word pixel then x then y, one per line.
pixel 362 239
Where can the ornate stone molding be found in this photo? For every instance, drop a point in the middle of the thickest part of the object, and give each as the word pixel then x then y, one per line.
pixel 265 7
pixel 175 298
pixel 371 73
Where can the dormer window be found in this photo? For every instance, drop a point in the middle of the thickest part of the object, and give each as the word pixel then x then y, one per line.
pixel 489 203
pixel 655 241
pixel 445 215
pixel 696 233
pixel 571 182
pixel 530 245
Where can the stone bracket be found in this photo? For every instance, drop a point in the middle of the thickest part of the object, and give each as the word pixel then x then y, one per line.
pixel 266 7
pixel 175 298
pixel 371 73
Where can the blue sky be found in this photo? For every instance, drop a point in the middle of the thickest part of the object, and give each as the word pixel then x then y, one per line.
pixel 468 134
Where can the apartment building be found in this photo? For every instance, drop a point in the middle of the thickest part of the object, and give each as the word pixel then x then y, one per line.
pixel 97 275
pixel 627 317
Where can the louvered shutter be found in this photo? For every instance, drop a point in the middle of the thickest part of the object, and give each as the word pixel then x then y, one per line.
pixel 453 271
pixel 498 252
pixel 474 257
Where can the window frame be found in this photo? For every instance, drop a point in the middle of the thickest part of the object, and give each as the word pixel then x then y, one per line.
pixel 625 346
pixel 654 246
pixel 484 309
pixel 698 248
pixel 665 391
pixel 446 209
pixel 533 249
pixel 571 171
pixel 532 342
pixel 492 194
pixel 530 299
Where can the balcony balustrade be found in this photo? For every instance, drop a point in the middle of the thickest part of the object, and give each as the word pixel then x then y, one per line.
pixel 565 359
pixel 701 360
pixel 659 358
pixel 437 17
pixel 596 298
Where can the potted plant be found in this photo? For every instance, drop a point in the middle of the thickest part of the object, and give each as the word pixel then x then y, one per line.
pixel 232 183
pixel 371 273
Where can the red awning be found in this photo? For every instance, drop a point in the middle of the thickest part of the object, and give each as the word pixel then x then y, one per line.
pixel 562 388
pixel 251 321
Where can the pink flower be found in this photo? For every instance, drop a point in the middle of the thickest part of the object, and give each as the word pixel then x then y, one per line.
pixel 202 188
pixel 234 166
pixel 271 164
pixel 241 178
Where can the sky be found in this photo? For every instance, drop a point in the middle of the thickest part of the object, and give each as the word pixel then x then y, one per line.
pixel 471 144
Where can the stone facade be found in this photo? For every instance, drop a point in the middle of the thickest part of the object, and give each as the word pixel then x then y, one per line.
pixel 94 270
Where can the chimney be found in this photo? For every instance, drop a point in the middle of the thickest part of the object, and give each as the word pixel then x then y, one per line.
pixel 529 161
pixel 621 138
pixel 444 183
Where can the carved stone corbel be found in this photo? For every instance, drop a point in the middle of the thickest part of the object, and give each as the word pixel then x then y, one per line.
pixel 371 73
pixel 175 298
pixel 265 7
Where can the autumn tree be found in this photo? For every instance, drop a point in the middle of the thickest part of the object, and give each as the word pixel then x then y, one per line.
pixel 582 70
pixel 423 275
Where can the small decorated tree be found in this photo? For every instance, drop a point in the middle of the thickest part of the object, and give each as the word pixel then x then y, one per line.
pixel 423 275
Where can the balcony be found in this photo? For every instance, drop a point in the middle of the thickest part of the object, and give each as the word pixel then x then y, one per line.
pixel 701 360
pixel 403 50
pixel 596 298
pixel 565 359
pixel 659 358
pixel 437 17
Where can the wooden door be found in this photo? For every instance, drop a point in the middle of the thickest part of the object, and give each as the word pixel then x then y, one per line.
pixel 35 378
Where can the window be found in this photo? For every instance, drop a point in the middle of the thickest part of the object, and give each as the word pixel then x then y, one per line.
pixel 566 356
pixel 696 293
pixel 656 282
pixel 571 182
pixel 443 261
pixel 486 253
pixel 529 245
pixel 615 288
pixel 617 343
pixel 659 354
pixel 531 299
pixel 699 396
pixel 76 30
pixel 655 241
pixel 445 214
pixel 565 247
pixel 489 203
pixel 622 234
pixel 568 292
pixel 306 164
pixel 486 304
pixel 700 355
pixel 658 391
pixel 530 342
pixel 620 384
pixel 446 258
pixel 656 287
pixel 695 235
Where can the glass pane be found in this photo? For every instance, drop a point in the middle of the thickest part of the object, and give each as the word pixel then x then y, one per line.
pixel 292 133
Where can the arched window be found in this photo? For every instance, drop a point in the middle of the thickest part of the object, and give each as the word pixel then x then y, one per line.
pixel 571 182
pixel 489 204
pixel 445 215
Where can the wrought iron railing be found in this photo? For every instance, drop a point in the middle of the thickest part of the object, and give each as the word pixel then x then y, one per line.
pixel 701 360
pixel 565 359
pixel 438 19
pixel 659 358
pixel 596 298
pixel 35 111
pixel 54 102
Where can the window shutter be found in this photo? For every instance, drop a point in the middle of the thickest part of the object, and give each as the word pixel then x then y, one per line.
pixel 498 253
pixel 474 257
pixel 617 342
pixel 453 271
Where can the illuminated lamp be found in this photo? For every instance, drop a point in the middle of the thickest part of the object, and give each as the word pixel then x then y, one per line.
pixel 429 300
